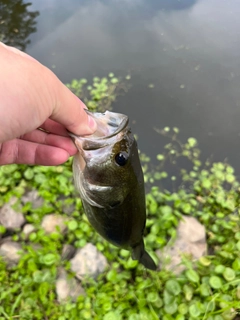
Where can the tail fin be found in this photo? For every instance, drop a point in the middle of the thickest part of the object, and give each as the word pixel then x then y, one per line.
pixel 139 253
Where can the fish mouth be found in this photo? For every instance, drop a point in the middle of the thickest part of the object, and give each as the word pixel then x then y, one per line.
pixel 110 126
pixel 115 122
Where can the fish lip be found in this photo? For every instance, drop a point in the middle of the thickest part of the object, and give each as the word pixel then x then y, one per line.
pixel 123 125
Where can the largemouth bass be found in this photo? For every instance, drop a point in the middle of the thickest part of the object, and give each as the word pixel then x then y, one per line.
pixel 108 175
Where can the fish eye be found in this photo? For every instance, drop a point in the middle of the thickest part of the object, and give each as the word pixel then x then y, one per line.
pixel 121 158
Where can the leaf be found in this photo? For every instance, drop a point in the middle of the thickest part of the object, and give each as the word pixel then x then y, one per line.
pixel 166 210
pixel 72 225
pixel 134 316
pixel 49 259
pixel 168 298
pixel 111 316
pixel 204 289
pixel 229 274
pixel 230 178
pixel 114 80
pixel 236 264
pixel 28 174
pixel 194 310
pixel 238 245
pixel 160 157
pixel 215 282
pixel 205 261
pixel 192 276
pixel 171 308
pixel 180 317
pixel 173 287
pixel 131 264
pixel 183 308
pixel 192 142
pixel 206 183
pixel 219 269
pixel 187 208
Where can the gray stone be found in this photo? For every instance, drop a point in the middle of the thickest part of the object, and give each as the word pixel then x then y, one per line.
pixel 33 197
pixel 66 208
pixel 28 229
pixel 9 217
pixel 52 222
pixel 5 239
pixel 191 230
pixel 88 261
pixel 67 287
pixel 190 241
pixel 68 252
pixel 10 252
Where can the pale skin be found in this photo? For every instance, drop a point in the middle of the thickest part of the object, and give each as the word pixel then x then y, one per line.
pixel 32 97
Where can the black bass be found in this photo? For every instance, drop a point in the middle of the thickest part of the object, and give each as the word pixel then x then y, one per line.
pixel 108 175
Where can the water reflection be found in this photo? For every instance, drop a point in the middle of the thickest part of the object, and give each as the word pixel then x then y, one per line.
pixel 189 50
pixel 171 5
pixel 152 6
pixel 17 22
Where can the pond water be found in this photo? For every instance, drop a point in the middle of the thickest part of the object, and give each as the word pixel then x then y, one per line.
pixel 188 49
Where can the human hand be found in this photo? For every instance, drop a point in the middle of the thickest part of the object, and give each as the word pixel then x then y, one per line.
pixel 32 97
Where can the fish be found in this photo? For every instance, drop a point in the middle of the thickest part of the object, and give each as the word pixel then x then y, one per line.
pixel 108 176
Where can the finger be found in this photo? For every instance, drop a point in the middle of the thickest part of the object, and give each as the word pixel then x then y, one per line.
pixel 54 127
pixel 15 50
pixel 50 139
pixel 27 152
pixel 73 118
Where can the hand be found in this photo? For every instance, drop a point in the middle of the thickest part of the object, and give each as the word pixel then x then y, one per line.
pixel 32 97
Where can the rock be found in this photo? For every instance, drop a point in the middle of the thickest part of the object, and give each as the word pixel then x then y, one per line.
pixel 88 261
pixel 52 222
pixel 68 252
pixel 10 252
pixel 191 230
pixel 28 229
pixel 67 287
pixel 65 207
pixel 33 197
pixel 5 239
pixel 9 217
pixel 191 240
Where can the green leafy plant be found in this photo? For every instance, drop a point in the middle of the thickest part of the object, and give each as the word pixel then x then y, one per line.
pixel 100 95
pixel 208 289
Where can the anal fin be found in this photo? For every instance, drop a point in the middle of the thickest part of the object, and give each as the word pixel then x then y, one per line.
pixel 139 253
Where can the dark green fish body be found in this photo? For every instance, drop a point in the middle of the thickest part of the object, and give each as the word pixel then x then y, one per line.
pixel 109 178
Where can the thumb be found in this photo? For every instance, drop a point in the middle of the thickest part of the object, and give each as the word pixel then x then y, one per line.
pixel 69 110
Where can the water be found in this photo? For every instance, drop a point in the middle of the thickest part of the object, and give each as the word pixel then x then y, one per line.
pixel 189 50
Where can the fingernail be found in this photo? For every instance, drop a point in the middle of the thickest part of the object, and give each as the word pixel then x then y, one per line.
pixel 92 123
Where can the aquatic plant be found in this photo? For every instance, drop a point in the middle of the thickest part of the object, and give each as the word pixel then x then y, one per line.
pixel 101 93
pixel 208 289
